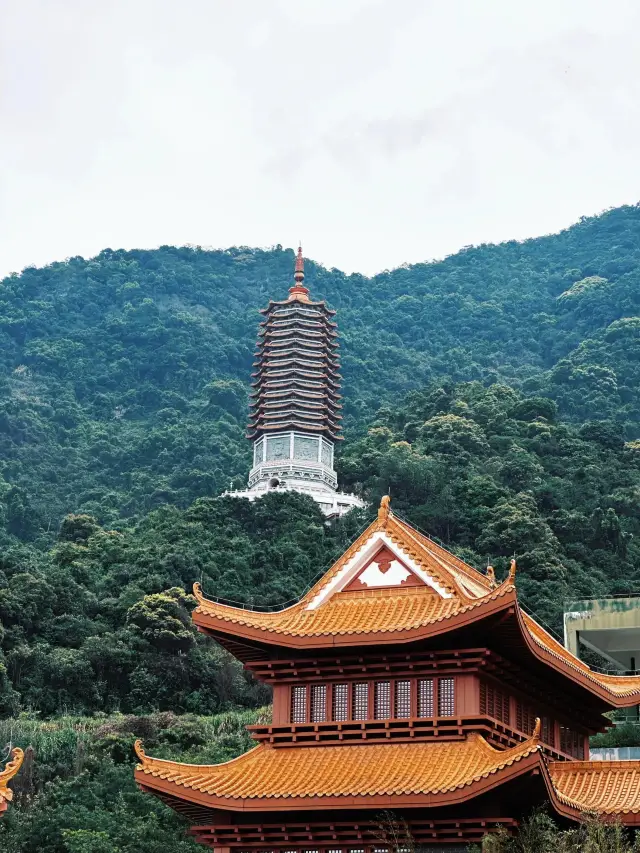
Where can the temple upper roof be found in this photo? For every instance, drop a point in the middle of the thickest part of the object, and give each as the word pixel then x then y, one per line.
pixel 395 585
pixel 11 768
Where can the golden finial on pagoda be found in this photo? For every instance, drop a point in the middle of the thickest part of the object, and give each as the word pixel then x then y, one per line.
pixel 512 572
pixel 385 510
pixel 11 768
pixel 299 291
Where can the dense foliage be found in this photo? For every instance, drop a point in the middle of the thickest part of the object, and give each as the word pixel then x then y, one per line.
pixel 494 394
pixel 540 834
pixel 75 793
pixel 103 621
pixel 123 378
pixel 494 474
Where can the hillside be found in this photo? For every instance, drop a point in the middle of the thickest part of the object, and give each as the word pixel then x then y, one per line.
pixel 124 377
pixel 495 394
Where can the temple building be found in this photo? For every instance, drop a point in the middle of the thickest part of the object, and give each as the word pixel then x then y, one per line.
pixel 295 403
pixel 11 768
pixel 405 682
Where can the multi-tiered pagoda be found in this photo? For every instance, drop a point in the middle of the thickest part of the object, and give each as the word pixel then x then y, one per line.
pixel 295 402
pixel 404 681
pixel 6 775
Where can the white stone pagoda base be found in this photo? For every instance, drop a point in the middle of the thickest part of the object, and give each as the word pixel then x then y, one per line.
pixel 333 504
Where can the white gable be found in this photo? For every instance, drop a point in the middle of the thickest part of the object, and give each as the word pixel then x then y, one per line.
pixel 365 556
pixel 373 576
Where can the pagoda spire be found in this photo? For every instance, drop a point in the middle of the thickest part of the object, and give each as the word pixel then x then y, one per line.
pixel 299 291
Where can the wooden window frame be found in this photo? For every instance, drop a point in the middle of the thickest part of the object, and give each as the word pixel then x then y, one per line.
pixel 441 696
pixel 312 709
pixel 412 702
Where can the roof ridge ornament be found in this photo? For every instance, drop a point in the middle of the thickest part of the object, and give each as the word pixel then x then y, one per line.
pixel 141 755
pixel 299 291
pixel 491 575
pixel 384 511
pixel 11 768
pixel 537 730
pixel 512 572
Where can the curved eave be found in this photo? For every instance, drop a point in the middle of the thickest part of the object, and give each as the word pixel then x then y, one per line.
pixel 607 796
pixel 577 671
pixel 6 775
pixel 291 303
pixel 295 426
pixel 224 622
pixel 278 804
pixel 220 621
pixel 154 776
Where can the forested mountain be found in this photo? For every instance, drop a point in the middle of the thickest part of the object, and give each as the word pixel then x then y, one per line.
pixel 124 377
pixel 494 394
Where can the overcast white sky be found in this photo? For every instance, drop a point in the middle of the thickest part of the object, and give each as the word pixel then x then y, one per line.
pixel 377 131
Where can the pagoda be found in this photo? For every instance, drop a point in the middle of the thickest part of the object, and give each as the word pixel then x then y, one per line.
pixel 11 768
pixel 405 682
pixel 295 403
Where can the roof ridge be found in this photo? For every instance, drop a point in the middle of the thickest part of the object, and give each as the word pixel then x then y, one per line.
pixel 469 570
pixel 568 766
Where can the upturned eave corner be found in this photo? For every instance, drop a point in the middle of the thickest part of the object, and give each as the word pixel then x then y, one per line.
pixel 11 768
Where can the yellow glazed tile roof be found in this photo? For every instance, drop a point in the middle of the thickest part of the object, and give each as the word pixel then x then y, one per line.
pixel 357 613
pixel 421 768
pixel 10 770
pixel 607 787
pixel 437 770
pixel 618 685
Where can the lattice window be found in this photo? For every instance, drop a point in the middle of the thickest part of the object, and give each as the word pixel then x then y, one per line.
pixel 382 700
pixel 361 701
pixel 298 704
pixel 525 719
pixel 318 703
pixel 340 702
pixel 425 697
pixel 494 702
pixel 548 731
pixel 446 697
pixel 571 742
pixel 403 699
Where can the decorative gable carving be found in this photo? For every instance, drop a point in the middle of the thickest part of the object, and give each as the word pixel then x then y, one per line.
pixel 384 571
pixel 378 543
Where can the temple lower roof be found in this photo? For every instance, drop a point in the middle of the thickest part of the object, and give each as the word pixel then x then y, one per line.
pixel 286 778
pixel 421 774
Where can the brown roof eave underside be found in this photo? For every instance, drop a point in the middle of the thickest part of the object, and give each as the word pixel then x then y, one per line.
pixel 213 626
